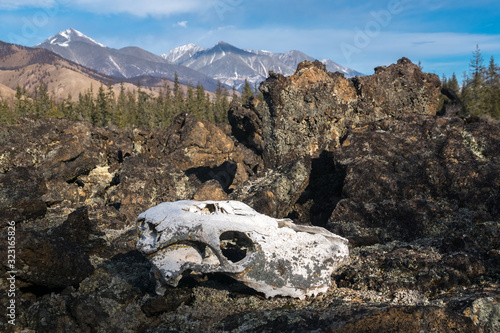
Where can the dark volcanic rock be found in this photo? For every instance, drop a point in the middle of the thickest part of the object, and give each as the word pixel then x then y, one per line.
pixel 145 182
pixel 247 126
pixel 21 191
pixel 210 190
pixel 49 262
pixel 76 229
pixel 204 150
pixel 418 177
pixel 274 192
pixel 310 111
pixel 411 320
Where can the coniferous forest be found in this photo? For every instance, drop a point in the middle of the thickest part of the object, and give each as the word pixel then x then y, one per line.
pixel 140 107
pixel 480 89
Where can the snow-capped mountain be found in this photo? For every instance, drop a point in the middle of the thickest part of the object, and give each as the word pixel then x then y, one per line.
pixel 232 66
pixel 192 63
pixel 71 35
pixel 182 53
pixel 126 63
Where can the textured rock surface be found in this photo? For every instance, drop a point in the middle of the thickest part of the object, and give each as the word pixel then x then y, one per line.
pixel 416 194
pixel 204 150
pixel 274 192
pixel 310 111
pixel 418 177
pixel 45 262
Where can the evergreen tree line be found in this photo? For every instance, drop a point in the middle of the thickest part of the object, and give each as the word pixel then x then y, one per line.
pixel 139 107
pixel 480 89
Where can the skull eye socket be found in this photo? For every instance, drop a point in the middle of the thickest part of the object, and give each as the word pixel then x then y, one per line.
pixel 235 245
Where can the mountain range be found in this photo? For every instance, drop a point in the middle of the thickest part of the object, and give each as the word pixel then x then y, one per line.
pixel 192 63
pixel 232 66
pixel 124 63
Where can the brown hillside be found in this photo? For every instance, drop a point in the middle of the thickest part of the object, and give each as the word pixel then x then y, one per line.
pixel 6 92
pixel 26 67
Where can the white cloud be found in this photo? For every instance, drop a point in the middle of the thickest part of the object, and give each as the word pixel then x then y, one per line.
pixel 133 7
pixel 143 8
pixel 182 24
pixel 14 4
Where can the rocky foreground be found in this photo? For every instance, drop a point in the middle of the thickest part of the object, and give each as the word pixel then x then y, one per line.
pixel 416 194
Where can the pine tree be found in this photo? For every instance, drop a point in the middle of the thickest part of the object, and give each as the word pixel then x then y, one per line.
pixel 178 103
pixel 166 112
pixel 453 84
pixel 7 116
pixel 86 105
pixel 131 109
pixel 201 102
pixel 111 98
pixel 234 98
pixel 120 109
pixel 102 111
pixel 474 86
pixel 220 105
pixel 42 102
pixel 144 117
pixel 247 93
pixel 22 105
pixel 492 90
pixel 191 106
pixel 67 107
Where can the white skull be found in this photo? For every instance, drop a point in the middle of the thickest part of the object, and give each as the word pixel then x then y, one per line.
pixel 272 256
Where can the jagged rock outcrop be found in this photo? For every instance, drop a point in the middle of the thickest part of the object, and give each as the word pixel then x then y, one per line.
pixel 204 150
pixel 247 126
pixel 310 111
pixel 46 262
pixel 21 193
pixel 418 177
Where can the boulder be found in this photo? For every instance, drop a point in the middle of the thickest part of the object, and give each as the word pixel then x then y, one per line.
pixel 21 191
pixel 310 111
pixel 46 262
pixel 417 177
pixel 274 192
pixel 203 149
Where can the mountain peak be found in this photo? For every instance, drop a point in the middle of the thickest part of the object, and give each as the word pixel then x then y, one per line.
pixel 224 48
pixel 225 45
pixel 63 38
pixel 182 53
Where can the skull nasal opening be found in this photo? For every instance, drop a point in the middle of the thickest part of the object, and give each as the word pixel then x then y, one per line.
pixel 235 245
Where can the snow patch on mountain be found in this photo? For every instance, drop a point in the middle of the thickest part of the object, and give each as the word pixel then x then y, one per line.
pixel 116 65
pixel 232 66
pixel 64 38
pixel 181 53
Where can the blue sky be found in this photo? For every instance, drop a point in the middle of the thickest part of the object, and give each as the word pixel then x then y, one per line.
pixel 358 34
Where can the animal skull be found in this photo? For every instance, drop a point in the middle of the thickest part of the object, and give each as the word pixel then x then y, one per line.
pixel 273 256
